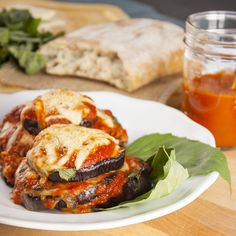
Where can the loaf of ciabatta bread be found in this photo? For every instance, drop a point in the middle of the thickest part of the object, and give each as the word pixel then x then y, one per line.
pixel 127 53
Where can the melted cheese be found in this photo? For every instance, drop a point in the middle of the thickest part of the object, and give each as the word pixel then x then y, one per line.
pixel 13 137
pixel 10 131
pixel 106 118
pixel 60 104
pixel 78 142
pixel 7 127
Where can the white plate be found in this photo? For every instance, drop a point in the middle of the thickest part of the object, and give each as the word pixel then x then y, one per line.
pixel 139 117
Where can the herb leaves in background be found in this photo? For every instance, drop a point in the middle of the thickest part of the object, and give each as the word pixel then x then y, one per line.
pixel 197 157
pixel 20 39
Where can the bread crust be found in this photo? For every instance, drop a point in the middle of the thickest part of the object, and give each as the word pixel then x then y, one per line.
pixel 128 53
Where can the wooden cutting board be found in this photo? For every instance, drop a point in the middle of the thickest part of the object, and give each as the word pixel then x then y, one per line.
pixel 77 15
pixel 74 15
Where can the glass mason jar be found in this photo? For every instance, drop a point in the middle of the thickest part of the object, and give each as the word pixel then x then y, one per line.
pixel 209 79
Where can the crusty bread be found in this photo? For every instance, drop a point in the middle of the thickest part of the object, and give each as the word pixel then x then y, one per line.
pixel 127 53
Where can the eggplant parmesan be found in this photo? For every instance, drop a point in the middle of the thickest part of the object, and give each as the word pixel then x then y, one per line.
pixel 58 107
pixel 23 123
pixel 61 152
pixel 15 141
pixel 85 152
pixel 68 107
pixel 109 189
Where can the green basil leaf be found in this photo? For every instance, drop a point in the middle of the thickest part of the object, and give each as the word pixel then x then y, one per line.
pixel 31 62
pixel 4 54
pixel 197 157
pixel 171 175
pixel 4 36
pixel 67 174
pixel 20 39
pixel 32 25
pixel 14 51
pixel 14 19
pixel 48 36
pixel 158 161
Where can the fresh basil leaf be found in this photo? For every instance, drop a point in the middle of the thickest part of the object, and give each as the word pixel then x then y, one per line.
pixel 31 62
pixel 32 25
pixel 14 51
pixel 197 157
pixel 4 54
pixel 158 161
pixel 67 174
pixel 48 36
pixel 171 175
pixel 20 39
pixel 14 19
pixel 4 36
pixel 174 174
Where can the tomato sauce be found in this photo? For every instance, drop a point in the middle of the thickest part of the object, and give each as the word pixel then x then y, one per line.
pixel 116 131
pixel 14 115
pixel 211 101
pixel 92 113
pixel 100 153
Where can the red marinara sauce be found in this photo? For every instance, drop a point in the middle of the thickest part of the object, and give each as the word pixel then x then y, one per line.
pixel 211 101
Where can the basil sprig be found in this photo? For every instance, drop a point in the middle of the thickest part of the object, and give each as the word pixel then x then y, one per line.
pixel 20 40
pixel 67 174
pixel 199 158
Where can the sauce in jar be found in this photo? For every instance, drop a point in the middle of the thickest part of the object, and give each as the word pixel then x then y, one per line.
pixel 209 73
pixel 211 101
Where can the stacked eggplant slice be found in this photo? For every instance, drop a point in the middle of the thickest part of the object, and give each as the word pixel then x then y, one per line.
pixel 69 107
pixel 15 141
pixel 78 169
pixel 23 123
pixel 60 152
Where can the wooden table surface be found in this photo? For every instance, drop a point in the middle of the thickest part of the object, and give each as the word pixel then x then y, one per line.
pixel 213 213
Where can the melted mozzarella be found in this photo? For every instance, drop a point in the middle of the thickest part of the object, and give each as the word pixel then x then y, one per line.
pixel 106 118
pixel 7 127
pixel 75 117
pixel 60 104
pixel 78 142
pixel 91 145
pixel 13 137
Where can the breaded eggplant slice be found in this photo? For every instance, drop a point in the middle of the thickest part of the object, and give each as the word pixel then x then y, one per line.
pixel 58 107
pixel 67 152
pixel 103 191
pixel 107 121
pixel 15 141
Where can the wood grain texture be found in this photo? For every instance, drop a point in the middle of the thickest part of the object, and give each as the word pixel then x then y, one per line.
pixel 158 90
pixel 75 15
pixel 212 214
